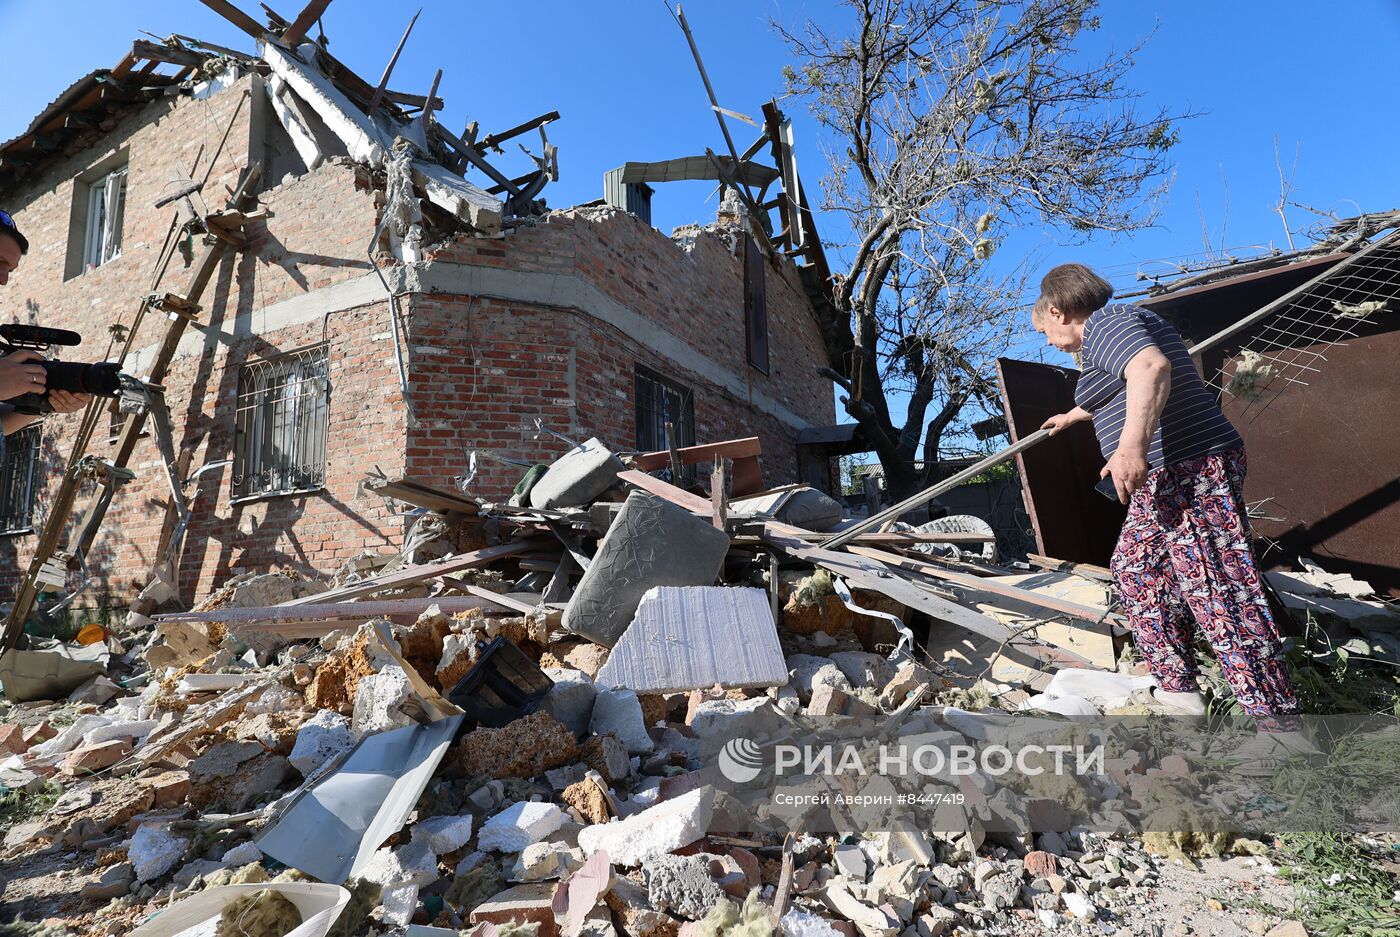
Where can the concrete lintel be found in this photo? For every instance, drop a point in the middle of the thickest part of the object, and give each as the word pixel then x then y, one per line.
pixel 362 138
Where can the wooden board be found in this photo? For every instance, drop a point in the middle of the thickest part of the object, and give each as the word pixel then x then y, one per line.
pixel 413 574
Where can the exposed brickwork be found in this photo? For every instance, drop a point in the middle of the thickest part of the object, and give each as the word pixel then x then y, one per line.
pixel 481 368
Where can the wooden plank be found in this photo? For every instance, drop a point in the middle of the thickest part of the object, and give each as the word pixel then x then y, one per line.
pixel 307 18
pixel 237 17
pixel 690 455
pixel 393 60
pixel 504 601
pixel 1087 570
pixel 374 608
pixel 419 573
pixel 1063 606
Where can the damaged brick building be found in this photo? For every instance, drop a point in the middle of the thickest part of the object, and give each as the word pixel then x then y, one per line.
pixel 293 378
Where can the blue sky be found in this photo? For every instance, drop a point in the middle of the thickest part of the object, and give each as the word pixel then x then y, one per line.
pixel 620 74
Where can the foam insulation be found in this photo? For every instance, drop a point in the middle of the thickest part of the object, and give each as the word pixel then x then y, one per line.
pixel 1251 374
pixel 258 914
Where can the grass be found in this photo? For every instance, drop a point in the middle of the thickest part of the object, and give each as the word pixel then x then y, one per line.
pixel 17 806
pixel 1344 886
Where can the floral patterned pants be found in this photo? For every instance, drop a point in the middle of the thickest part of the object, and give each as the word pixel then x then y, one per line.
pixel 1184 562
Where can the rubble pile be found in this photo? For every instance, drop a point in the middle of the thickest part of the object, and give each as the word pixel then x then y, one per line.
pixel 520 738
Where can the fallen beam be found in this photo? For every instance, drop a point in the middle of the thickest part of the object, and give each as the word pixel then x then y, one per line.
pixel 380 608
pixel 416 574
pixel 1026 596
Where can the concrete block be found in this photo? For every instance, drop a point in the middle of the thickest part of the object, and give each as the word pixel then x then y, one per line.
pixel 518 826
pixel 726 718
pixel 652 543
pixel 241 855
pixel 664 828
pixel 444 834
pixel 570 700
pixel 681 885
pixel 864 670
pixel 693 637
pixel 321 738
pixel 809 672
pixel 523 904
pixel 619 712
pixel 224 758
pixel 851 862
pixel 827 701
pixel 577 477
pixel 97 691
pixel 114 882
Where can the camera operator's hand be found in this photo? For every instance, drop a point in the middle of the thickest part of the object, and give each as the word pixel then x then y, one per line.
pixel 64 401
pixel 21 374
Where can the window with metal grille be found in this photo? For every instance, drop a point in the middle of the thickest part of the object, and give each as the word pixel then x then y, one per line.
pixel 283 409
pixel 19 474
pixel 661 401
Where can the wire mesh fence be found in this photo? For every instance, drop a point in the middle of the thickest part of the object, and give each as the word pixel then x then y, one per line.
pixel 1291 346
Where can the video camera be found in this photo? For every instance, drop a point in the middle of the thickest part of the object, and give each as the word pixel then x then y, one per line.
pixel 102 379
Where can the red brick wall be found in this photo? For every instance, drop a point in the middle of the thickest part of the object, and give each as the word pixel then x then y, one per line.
pixel 484 369
pixel 320 226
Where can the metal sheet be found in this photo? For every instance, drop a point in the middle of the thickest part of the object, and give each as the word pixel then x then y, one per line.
pixel 333 827
pixel 1071 521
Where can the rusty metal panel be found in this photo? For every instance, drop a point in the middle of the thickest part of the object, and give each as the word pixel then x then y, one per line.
pixel 1327 459
pixel 1071 521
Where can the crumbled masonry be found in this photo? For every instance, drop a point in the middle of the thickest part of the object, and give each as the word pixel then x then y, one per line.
pixel 529 717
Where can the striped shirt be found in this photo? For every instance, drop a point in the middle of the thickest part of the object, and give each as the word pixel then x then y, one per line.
pixel 1191 425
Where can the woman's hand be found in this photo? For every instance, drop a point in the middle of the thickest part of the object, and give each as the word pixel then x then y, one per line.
pixel 1129 470
pixel 1061 421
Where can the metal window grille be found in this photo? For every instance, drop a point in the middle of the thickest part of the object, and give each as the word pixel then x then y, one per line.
pixel 1292 345
pixel 19 471
pixel 661 401
pixel 106 207
pixel 283 410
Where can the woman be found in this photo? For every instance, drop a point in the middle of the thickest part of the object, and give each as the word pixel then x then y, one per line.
pixel 1183 561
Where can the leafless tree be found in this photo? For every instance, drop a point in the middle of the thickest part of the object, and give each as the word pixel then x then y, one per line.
pixel 959 121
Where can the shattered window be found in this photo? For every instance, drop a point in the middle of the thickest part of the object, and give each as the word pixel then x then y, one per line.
pixel 283 409
pixel 105 208
pixel 19 473
pixel 661 401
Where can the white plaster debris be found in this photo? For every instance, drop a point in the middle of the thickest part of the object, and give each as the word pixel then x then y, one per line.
pixel 155 850
pixel 668 826
pixel 444 834
pixel 619 712
pixel 518 826
pixel 323 737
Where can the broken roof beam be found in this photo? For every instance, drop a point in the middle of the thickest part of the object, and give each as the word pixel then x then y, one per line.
pixel 362 138
pixel 237 17
pixel 378 95
pixel 294 33
pixel 493 141
pixel 175 55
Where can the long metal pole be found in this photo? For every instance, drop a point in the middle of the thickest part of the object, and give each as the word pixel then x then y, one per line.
pixel 928 494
